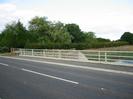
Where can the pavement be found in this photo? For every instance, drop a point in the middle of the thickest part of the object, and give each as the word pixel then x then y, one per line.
pixel 37 78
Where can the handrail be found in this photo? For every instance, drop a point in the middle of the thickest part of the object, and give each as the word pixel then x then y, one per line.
pixel 80 55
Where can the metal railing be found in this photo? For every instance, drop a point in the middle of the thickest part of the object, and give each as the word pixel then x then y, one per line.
pixel 108 56
pixel 80 55
pixel 58 54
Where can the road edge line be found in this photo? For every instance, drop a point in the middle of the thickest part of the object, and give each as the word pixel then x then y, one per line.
pixel 75 66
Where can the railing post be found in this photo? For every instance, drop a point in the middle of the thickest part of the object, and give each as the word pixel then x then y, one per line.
pixel 32 52
pixel 59 53
pixel 99 56
pixel 24 52
pixel 44 53
pixel 78 55
pixel 105 56
pixel 20 51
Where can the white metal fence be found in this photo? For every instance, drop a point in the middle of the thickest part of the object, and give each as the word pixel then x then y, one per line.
pixel 58 54
pixel 109 56
pixel 80 55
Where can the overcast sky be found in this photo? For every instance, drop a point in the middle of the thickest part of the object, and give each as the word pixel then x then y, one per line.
pixel 107 18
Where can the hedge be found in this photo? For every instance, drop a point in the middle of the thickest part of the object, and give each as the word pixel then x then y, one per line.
pixel 78 46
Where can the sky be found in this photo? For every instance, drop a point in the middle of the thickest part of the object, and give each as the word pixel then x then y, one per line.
pixel 107 18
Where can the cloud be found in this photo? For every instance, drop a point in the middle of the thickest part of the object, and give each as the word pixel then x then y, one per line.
pixel 108 18
pixel 6 10
pixel 6 14
pixel 7 7
pixel 9 12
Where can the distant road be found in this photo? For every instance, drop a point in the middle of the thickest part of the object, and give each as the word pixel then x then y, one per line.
pixel 21 79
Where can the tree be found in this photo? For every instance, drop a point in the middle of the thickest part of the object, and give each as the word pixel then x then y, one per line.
pixel 14 35
pixel 40 26
pixel 103 40
pixel 49 32
pixel 59 34
pixel 128 37
pixel 89 37
pixel 75 33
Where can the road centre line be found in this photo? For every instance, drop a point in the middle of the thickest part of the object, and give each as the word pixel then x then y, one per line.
pixel 42 74
pixel 54 77
pixel 4 64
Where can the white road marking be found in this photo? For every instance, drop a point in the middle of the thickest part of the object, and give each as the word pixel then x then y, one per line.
pixel 4 64
pixel 54 77
pixel 102 88
pixel 75 66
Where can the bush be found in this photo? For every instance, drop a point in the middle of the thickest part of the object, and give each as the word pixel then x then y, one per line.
pixel 78 46
pixel 128 37
pixel 4 49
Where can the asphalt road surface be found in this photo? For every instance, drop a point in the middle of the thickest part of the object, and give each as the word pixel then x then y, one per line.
pixel 21 79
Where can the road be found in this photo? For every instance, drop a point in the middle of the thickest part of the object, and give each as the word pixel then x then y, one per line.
pixel 21 79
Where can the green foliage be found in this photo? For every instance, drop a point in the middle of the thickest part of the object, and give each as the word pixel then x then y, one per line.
pixel 57 45
pixel 128 37
pixel 59 34
pixel 75 33
pixel 14 35
pixel 4 49
pixel 108 44
pixel 39 26
pixel 49 32
pixel 103 40
pixel 79 46
pixel 89 37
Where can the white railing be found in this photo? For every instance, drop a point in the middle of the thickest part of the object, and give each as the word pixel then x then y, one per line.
pixel 58 54
pixel 80 55
pixel 108 56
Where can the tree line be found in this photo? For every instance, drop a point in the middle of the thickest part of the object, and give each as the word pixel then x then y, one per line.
pixel 42 33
